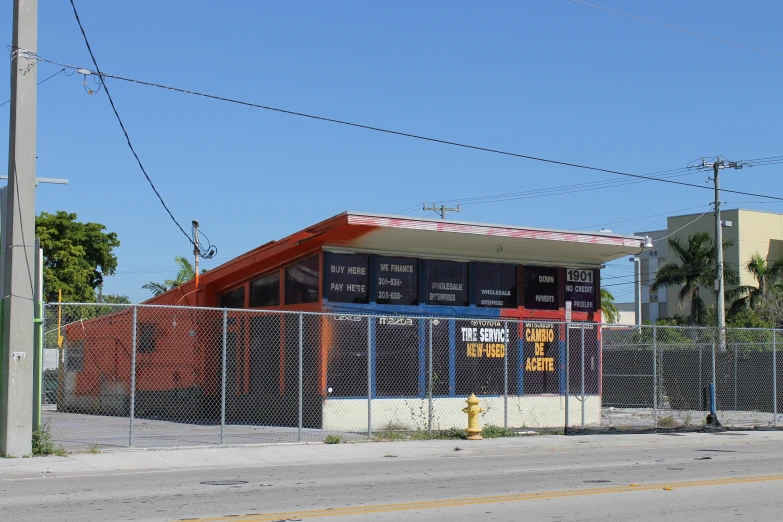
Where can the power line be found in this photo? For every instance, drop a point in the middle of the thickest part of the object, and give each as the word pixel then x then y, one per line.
pixel 124 131
pixel 678 28
pixel 42 81
pixel 393 132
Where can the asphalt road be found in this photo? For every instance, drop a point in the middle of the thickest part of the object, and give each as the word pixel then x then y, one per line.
pixel 737 481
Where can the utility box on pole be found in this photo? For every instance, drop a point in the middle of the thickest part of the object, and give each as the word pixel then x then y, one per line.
pixel 19 254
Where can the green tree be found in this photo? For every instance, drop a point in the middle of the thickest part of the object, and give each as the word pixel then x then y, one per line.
pixel 76 256
pixel 186 273
pixel 768 279
pixel 608 308
pixel 695 271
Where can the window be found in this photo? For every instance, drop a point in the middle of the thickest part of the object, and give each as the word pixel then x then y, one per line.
pixel 265 291
pixel 347 278
pixel 653 253
pixel 74 356
pixel 645 271
pixel 496 285
pixel 663 310
pixel 653 298
pixel 540 291
pixel 447 283
pixel 145 342
pixel 646 311
pixel 301 282
pixel 233 299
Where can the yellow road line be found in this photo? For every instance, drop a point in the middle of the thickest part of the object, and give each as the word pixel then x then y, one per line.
pixel 476 501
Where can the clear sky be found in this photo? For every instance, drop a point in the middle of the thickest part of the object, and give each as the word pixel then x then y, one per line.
pixel 545 78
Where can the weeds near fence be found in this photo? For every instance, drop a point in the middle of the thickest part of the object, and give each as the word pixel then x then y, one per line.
pixel 667 422
pixel 43 443
pixel 333 439
pixel 494 432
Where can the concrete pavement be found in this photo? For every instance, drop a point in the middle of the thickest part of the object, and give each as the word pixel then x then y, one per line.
pixel 739 474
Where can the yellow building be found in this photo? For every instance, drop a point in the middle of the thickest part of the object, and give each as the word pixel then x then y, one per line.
pixel 750 231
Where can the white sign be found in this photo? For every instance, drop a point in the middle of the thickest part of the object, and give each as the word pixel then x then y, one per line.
pixel 568 311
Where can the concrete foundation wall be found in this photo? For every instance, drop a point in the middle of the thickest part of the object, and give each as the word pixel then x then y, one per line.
pixel 530 411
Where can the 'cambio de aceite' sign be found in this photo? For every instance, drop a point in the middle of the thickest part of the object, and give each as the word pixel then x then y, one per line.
pixel 580 289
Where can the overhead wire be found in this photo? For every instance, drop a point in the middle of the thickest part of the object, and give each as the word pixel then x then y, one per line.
pixel 41 82
pixel 102 77
pixel 396 133
pixel 674 27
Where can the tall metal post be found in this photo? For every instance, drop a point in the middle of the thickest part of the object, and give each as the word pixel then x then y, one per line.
pixel 17 356
pixel 39 319
pixel 774 378
pixel 301 375
pixel 223 378
pixel 132 411
pixel 583 375
pixel 369 377
pixel 567 364
pixel 655 375
pixel 505 375
pixel 429 386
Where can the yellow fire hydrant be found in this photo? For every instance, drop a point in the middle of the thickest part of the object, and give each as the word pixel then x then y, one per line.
pixel 473 410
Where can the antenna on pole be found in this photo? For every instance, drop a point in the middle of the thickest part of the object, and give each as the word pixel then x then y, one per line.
pixel 442 210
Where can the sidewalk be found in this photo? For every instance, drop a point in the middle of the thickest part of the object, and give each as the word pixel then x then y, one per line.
pixel 308 454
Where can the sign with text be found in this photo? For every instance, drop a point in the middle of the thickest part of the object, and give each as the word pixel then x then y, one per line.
pixel 397 281
pixel 482 347
pixel 496 285
pixel 540 291
pixel 447 283
pixel 347 278
pixel 541 356
pixel 580 289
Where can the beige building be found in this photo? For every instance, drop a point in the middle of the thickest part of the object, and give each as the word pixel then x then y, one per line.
pixel 750 231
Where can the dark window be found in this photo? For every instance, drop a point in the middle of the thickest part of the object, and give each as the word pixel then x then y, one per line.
pixel 447 283
pixel 74 356
pixel 233 299
pixel 541 288
pixel 265 291
pixel 580 289
pixel 347 356
pixel 301 282
pixel 347 278
pixel 145 342
pixel 397 281
pixel 397 357
pixel 496 285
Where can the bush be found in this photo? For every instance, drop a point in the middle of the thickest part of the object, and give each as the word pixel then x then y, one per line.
pixel 333 439
pixel 493 432
pixel 43 444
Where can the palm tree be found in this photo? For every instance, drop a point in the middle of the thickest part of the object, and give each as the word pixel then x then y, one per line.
pixel 185 274
pixel 608 308
pixel 767 276
pixel 697 270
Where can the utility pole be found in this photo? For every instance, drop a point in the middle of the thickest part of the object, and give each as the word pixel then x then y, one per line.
pixel 17 353
pixel 720 298
pixel 196 252
pixel 442 210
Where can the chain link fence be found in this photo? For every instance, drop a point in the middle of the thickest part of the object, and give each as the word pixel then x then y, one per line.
pixel 154 376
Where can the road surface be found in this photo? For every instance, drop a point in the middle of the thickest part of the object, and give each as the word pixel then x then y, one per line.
pixel 729 476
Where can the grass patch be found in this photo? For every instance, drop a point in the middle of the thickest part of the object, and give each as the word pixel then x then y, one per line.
pixel 93 448
pixel 494 432
pixel 667 422
pixel 43 443
pixel 333 439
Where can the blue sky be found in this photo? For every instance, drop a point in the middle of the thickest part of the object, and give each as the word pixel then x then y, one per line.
pixel 553 79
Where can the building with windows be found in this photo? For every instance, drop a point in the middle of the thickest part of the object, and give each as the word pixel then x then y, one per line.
pixel 750 232
pixel 383 293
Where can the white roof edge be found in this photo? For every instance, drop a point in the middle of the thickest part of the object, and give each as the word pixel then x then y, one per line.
pixel 474 223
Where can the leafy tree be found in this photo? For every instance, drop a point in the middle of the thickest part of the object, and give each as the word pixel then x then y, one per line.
pixel 767 276
pixel 608 308
pixel 116 299
pixel 695 271
pixel 76 256
pixel 186 273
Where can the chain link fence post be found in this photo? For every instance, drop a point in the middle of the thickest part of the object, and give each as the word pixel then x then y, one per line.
pixel 429 382
pixel 301 378
pixel 655 375
pixel 223 378
pixel 369 377
pixel 583 375
pixel 774 378
pixel 567 364
pixel 132 405
pixel 505 374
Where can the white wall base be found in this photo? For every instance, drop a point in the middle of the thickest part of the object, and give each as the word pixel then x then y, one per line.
pixel 528 411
